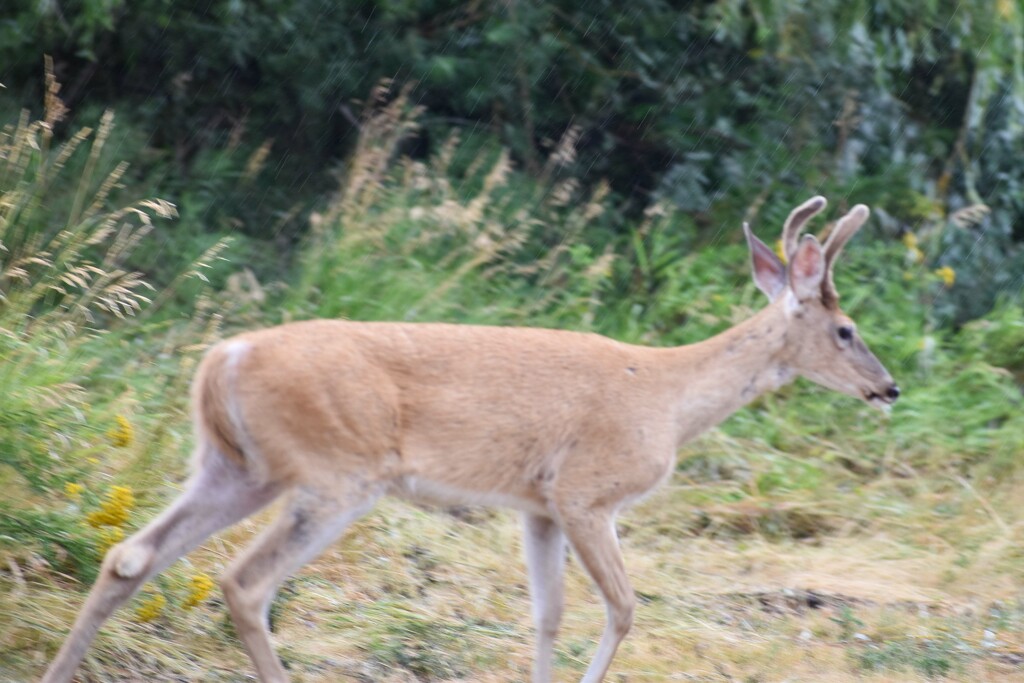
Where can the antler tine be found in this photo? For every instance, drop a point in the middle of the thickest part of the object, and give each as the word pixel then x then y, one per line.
pixel 845 228
pixel 796 221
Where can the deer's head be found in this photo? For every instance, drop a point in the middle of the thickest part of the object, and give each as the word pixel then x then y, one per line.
pixel 822 343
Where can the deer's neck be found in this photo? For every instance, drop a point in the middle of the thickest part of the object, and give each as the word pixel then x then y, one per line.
pixel 714 378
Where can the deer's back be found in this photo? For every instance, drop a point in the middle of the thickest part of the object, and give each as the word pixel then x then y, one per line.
pixel 435 406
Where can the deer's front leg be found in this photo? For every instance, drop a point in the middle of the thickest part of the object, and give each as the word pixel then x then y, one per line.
pixel 544 544
pixel 591 533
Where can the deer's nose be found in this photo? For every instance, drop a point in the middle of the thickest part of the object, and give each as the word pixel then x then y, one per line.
pixel 892 393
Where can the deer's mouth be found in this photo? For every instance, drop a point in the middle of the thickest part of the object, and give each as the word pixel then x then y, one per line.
pixel 880 401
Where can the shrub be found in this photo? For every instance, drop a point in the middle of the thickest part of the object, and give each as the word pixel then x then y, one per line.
pixel 62 283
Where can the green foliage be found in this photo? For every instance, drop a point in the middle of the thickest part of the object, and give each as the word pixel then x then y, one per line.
pixel 410 641
pixel 998 339
pixel 409 241
pixel 935 657
pixel 911 107
pixel 57 536
pixel 847 623
pixel 64 283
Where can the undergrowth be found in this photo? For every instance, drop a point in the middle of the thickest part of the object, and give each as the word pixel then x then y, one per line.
pixel 72 428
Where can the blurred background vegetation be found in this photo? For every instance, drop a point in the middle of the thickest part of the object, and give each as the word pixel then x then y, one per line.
pixel 242 113
pixel 171 172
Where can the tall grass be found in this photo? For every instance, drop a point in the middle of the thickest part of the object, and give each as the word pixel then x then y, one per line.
pixel 414 240
pixel 62 281
pixel 74 425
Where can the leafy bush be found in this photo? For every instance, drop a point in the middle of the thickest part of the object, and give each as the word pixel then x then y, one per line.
pixel 718 109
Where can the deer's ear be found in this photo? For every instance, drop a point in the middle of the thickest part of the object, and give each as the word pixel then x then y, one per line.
pixel 769 273
pixel 807 270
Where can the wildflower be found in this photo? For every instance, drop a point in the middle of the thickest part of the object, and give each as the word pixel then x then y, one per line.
pixel 123 435
pixel 109 537
pixel 114 509
pixel 199 589
pixel 73 491
pixel 151 607
pixel 780 251
pixel 947 275
pixel 914 252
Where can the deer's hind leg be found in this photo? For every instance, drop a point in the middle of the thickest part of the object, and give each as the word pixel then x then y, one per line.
pixel 312 518
pixel 217 495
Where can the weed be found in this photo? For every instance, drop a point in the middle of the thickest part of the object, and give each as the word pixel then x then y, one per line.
pixel 68 301
pixel 848 623
pixel 933 657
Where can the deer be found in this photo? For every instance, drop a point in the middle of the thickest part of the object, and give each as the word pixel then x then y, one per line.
pixel 566 427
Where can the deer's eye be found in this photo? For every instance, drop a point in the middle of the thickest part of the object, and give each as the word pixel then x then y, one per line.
pixel 845 333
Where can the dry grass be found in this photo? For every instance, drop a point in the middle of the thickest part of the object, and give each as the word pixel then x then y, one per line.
pixel 411 594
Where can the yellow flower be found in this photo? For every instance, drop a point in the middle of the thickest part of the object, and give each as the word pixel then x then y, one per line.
pixel 947 275
pixel 109 537
pixel 1005 8
pixel 114 509
pixel 123 435
pixel 151 607
pixel 73 491
pixel 199 589
pixel 780 251
pixel 914 253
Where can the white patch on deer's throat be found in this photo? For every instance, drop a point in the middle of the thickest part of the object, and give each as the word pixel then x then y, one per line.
pixel 881 404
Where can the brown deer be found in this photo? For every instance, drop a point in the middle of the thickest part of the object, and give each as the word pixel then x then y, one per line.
pixel 566 427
